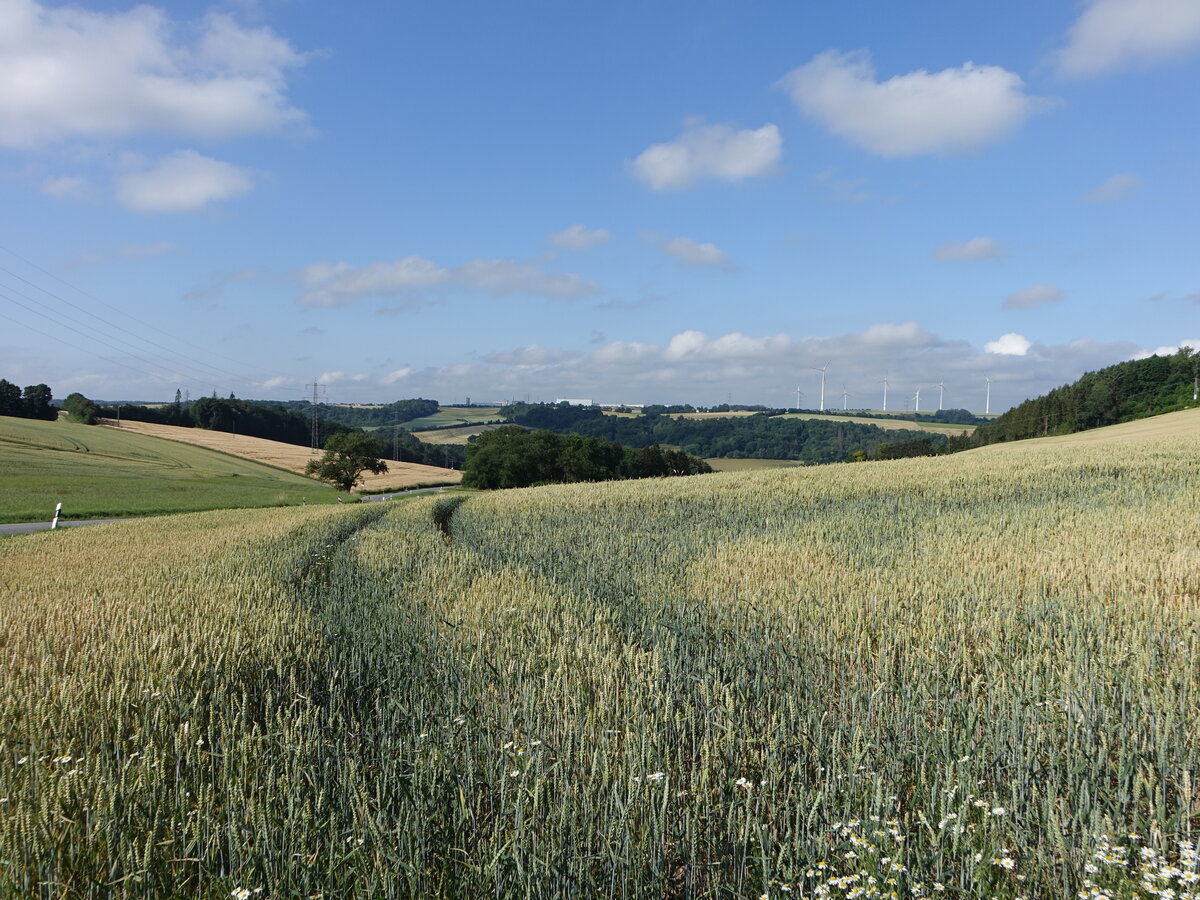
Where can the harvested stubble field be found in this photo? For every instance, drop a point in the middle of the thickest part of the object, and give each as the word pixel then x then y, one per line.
pixel 947 676
pixel 292 457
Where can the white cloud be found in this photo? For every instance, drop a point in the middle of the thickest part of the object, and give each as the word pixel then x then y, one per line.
pixel 67 73
pixel 1190 343
pixel 975 248
pixel 338 284
pixel 182 182
pixel 507 276
pixel 579 237
pixel 692 253
pixel 1030 297
pixel 396 375
pixel 887 334
pixel 1117 34
pixel 842 190
pixel 952 111
pixel 622 353
pixel 1114 188
pixel 709 152
pixel 65 186
pixel 533 356
pixel 1011 344
pixel 277 382
pixel 330 377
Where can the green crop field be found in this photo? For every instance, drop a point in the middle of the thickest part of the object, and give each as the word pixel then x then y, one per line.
pixel 102 472
pixel 974 676
pixel 456 415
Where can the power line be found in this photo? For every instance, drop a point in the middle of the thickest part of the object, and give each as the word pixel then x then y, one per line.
pixel 146 325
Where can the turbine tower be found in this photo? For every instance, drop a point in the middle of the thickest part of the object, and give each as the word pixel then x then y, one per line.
pixel 822 371
pixel 917 401
pixel 845 398
pixel 941 393
pixel 885 387
pixel 799 394
pixel 987 406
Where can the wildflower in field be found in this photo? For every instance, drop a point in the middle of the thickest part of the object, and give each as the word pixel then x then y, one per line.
pixel 240 894
pixel 743 783
pixel 514 773
pixel 1004 862
pixel 998 810
pixel 656 776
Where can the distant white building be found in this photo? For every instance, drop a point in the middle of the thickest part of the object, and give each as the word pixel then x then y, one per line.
pixel 574 402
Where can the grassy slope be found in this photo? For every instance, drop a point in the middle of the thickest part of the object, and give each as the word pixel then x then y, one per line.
pixel 102 472
pixel 1177 424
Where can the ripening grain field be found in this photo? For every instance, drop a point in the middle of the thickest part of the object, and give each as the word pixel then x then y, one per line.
pixel 973 676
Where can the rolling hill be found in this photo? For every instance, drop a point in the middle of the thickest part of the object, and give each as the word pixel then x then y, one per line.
pixel 105 472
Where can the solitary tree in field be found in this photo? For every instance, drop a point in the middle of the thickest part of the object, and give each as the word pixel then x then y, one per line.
pixel 346 457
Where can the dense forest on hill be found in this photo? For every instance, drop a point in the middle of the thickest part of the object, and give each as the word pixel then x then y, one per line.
pixel 1121 393
pixel 759 436
pixel 367 416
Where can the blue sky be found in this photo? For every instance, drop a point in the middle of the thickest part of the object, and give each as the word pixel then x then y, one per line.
pixel 666 202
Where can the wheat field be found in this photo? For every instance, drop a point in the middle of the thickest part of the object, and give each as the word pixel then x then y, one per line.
pixel 970 676
pixel 291 456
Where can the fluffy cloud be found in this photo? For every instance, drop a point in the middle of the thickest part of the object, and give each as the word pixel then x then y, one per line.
pixel 339 284
pixel 182 182
pixel 1114 188
pixel 975 248
pixel 506 276
pixel 1170 350
pixel 532 356
pixel 692 253
pixel 952 111
pixel 1117 34
pixel 68 72
pixel 1011 344
pixel 1030 297
pixel 708 152
pixel 64 186
pixel 579 237
pixel 396 375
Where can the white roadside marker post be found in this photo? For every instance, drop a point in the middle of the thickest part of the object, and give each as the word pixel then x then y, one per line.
pixel 57 513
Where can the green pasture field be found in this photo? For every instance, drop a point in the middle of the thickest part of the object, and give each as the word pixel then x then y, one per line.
pixel 103 473
pixel 971 676
pixel 455 415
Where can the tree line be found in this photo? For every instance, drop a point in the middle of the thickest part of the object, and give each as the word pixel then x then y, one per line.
pixel 34 402
pixel 1120 393
pixel 385 414
pixel 758 436
pixel 514 457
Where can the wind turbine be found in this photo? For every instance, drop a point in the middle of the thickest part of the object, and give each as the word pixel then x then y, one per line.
pixel 822 371
pixel 987 407
pixel 799 394
pixel 941 393
pixel 917 401
pixel 845 398
pixel 885 387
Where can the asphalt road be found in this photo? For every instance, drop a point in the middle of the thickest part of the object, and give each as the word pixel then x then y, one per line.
pixel 27 527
